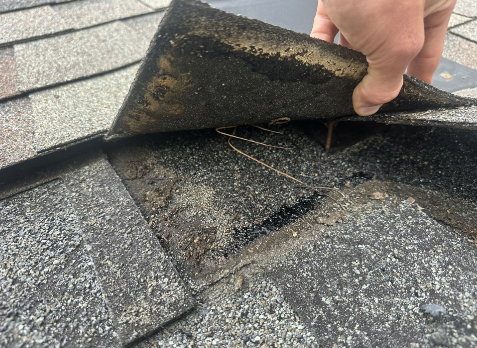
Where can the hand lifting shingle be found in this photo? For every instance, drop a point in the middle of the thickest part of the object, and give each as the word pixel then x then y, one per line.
pixel 206 68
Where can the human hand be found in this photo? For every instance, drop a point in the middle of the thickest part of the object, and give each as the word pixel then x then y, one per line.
pixel 394 35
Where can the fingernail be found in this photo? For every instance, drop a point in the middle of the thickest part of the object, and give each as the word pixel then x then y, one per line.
pixel 368 110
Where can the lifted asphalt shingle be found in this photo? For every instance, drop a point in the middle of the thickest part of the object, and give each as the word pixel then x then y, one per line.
pixel 76 55
pixel 77 110
pixel 50 296
pixel 87 13
pixel 38 21
pixel 16 132
pixel 140 285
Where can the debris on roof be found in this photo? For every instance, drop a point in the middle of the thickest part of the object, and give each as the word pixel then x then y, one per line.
pixel 177 240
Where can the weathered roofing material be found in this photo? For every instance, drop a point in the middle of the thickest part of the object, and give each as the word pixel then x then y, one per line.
pixel 71 56
pixel 141 287
pixel 16 132
pixel 207 68
pixel 86 13
pixel 33 22
pixel 76 110
pixel 50 292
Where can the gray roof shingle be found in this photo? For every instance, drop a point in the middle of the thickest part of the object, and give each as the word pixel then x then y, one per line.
pixel 71 56
pixel 9 5
pixel 460 50
pixel 86 13
pixel 140 285
pixel 467 30
pixel 156 4
pixel 16 132
pixel 79 109
pixel 50 293
pixel 34 22
pixel 8 73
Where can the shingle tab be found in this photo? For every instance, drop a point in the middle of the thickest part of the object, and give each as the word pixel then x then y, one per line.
pixel 457 19
pixel 79 54
pixel 50 293
pixel 8 73
pixel 16 132
pixel 34 22
pixel 140 285
pixel 8 5
pixel 467 30
pixel 460 50
pixel 87 13
pixel 156 4
pixel 79 109
pixel 466 7
pixel 147 25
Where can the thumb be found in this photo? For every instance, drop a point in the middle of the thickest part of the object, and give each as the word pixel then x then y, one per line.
pixel 385 76
pixel 377 87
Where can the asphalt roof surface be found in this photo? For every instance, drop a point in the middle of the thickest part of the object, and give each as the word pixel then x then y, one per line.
pixel 179 240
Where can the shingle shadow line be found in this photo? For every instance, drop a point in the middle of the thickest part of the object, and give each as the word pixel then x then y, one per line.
pixel 30 172
pixel 173 320
pixel 72 142
pixel 36 38
pixel 470 19
pixel 463 37
pixel 36 6
pixel 74 30
pixel 23 189
pixel 27 93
